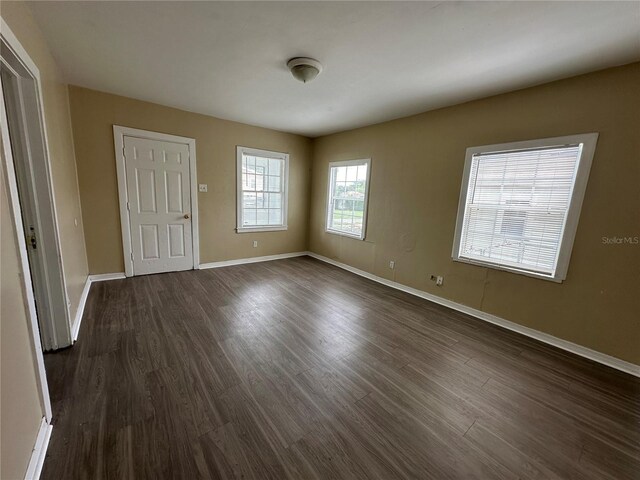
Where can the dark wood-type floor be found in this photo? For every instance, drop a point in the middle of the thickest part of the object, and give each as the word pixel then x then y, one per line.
pixel 295 369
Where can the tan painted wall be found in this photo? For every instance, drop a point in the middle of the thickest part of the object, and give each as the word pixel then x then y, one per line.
pixel 416 172
pixel 94 113
pixel 20 408
pixel 62 156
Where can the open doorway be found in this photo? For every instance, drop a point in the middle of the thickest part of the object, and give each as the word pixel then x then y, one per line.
pixel 27 167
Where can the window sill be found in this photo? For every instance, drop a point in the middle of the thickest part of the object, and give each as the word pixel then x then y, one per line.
pixel 261 229
pixel 345 234
pixel 505 268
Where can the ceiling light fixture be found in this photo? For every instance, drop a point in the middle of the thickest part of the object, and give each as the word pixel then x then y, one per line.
pixel 304 69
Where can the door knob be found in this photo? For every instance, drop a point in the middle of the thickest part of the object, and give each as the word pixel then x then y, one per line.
pixel 187 216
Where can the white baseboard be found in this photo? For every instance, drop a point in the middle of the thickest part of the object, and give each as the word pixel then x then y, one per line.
pixel 106 276
pixel 83 300
pixel 75 328
pixel 39 451
pixel 585 352
pixel 242 261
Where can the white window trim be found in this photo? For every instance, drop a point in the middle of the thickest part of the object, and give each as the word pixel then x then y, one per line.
pixel 348 163
pixel 588 141
pixel 240 151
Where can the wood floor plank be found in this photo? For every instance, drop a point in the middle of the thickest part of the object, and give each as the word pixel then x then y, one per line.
pixel 431 451
pixel 295 369
pixel 519 463
pixel 607 460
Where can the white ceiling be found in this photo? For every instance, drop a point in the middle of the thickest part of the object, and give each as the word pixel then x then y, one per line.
pixel 382 60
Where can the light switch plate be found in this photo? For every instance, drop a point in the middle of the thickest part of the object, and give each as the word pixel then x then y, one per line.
pixel 202 187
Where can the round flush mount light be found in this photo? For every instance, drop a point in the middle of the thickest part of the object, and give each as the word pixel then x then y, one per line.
pixel 304 69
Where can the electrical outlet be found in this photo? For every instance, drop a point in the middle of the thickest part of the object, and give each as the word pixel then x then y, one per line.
pixel 255 244
pixel 439 281
pixel 202 187
pixel 392 264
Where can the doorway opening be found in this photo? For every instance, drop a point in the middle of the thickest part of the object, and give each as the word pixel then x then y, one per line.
pixel 28 172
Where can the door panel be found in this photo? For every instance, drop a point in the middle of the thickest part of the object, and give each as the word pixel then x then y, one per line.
pixel 146 184
pixel 159 195
pixel 176 240
pixel 150 244
pixel 173 191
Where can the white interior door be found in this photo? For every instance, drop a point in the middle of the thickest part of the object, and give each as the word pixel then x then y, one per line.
pixel 159 204
pixel 20 148
pixel 24 130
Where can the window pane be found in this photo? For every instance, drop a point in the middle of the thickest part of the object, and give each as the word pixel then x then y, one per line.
pixel 259 182
pixel 251 182
pixel 251 164
pixel 262 216
pixel 275 216
pixel 249 216
pixel 358 216
pixel 275 200
pixel 275 167
pixel 330 214
pixel 274 184
pixel 337 220
pixel 362 173
pixel 346 223
pixel 341 174
pixel 249 200
pixel 261 165
pixel 350 189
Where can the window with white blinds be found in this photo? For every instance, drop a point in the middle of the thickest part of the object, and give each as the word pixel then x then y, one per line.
pixel 516 204
pixel 262 190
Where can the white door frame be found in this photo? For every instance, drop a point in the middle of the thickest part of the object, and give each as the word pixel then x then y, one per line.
pixel 9 41
pixel 118 140
pixel 50 285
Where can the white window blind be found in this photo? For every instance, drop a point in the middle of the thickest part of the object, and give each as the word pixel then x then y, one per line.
pixel 262 189
pixel 516 204
pixel 347 199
